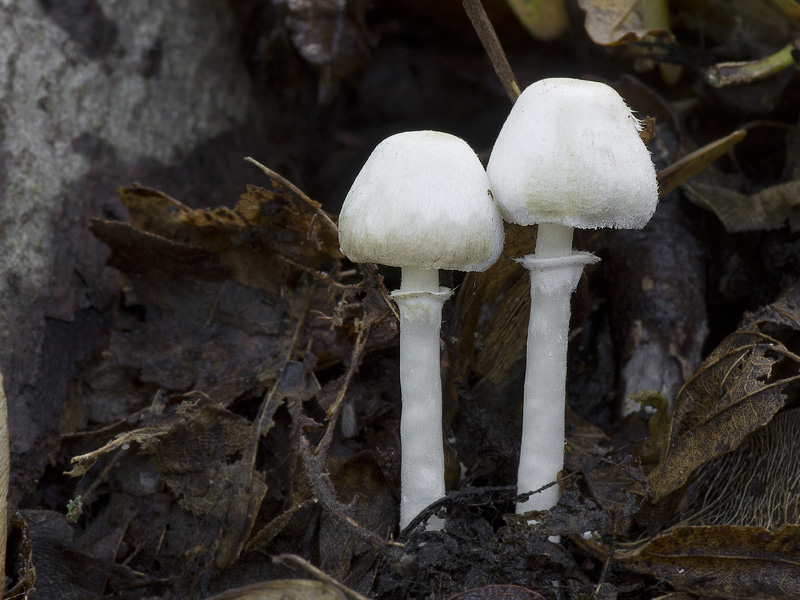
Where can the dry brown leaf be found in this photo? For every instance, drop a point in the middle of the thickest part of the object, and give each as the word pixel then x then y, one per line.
pixel 343 555
pixel 611 22
pixel 269 235
pixel 735 563
pixel 220 288
pixel 756 485
pixel 193 458
pixel 729 397
pixel 771 208
pixel 736 390
pixel 196 440
pixel 283 589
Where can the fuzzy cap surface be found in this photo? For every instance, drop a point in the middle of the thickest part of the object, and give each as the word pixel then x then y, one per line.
pixel 570 153
pixel 423 200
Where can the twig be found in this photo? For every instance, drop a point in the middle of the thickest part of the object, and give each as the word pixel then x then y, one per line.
pixel 355 361
pixel 86 496
pixel 606 564
pixel 297 191
pixel 491 43
pixel 325 494
pixel 295 561
pixel 109 429
pixel 274 527
pixel 736 73
pixel 213 308
pixel 317 275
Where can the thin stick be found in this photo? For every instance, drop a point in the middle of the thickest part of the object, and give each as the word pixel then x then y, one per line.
pixel 735 73
pixel 265 535
pixel 296 561
pixel 316 274
pixel 316 468
pixel 263 422
pixel 483 27
pixel 296 190
pixel 333 411
pixel 690 165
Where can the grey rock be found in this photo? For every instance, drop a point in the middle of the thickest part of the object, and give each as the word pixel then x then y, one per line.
pixel 92 94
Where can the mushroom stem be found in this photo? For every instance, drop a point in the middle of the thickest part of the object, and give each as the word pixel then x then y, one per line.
pixel 420 301
pixel 553 240
pixel 418 279
pixel 553 279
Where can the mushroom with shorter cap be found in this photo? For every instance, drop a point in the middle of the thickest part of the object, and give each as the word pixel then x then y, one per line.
pixel 421 202
pixel 569 155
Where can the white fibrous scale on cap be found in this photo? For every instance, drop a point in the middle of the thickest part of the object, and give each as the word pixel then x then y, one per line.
pixel 570 154
pixel 423 200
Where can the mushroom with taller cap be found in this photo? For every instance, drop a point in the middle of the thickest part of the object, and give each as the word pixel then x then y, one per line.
pixel 569 155
pixel 422 202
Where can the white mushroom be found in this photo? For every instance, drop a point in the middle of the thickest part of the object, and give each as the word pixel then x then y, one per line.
pixel 421 202
pixel 569 155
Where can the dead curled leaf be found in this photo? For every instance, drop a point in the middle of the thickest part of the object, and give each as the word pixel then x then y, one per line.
pixel 736 563
pixel 756 485
pixel 771 208
pixel 182 443
pixel 269 233
pixel 343 554
pixel 219 287
pixel 611 22
pixel 736 390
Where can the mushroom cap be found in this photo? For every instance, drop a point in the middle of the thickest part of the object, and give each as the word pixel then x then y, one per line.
pixel 423 200
pixel 570 153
